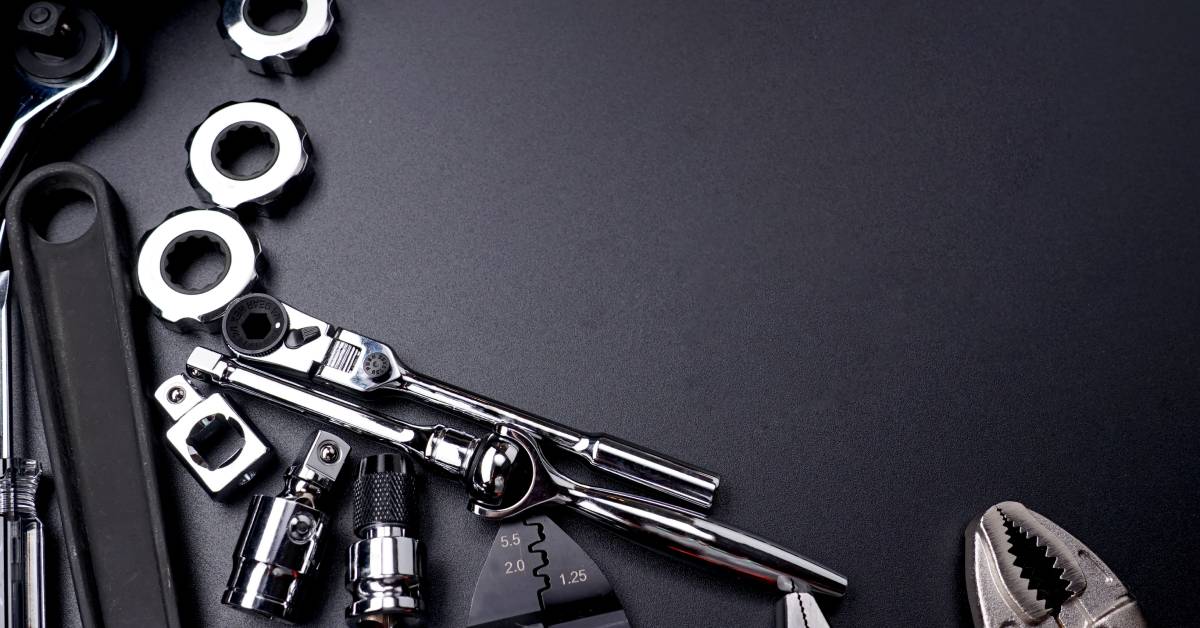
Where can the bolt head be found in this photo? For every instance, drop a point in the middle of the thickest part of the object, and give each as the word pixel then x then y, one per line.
pixel 330 453
pixel 42 19
pixel 176 394
pixel 301 527
pixel 38 14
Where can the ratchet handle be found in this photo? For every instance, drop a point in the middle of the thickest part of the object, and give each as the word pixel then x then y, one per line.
pixel 694 537
pixel 626 460
pixel 653 470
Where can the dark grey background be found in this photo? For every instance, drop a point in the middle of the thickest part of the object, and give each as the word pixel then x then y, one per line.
pixel 879 265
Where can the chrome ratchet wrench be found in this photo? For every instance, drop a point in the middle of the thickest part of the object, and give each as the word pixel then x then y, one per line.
pixel 260 328
pixel 508 476
pixel 46 85
pixel 60 55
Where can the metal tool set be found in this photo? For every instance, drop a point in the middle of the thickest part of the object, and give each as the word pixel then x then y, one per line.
pixel 1022 569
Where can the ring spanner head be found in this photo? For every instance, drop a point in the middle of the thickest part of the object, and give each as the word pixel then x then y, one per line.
pixel 232 128
pixel 171 246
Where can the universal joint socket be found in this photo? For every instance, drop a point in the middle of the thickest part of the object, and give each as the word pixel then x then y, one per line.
pixel 385 566
pixel 280 545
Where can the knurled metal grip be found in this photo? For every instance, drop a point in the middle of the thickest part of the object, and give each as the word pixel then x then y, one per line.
pixel 385 493
pixel 385 567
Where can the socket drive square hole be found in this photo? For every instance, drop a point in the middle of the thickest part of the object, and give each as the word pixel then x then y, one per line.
pixel 215 441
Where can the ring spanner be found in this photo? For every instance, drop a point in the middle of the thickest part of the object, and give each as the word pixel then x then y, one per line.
pixel 260 328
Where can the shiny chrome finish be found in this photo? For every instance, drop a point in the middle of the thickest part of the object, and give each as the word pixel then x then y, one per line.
pixel 508 475
pixel 195 417
pixel 38 100
pixel 223 188
pixel 288 52
pixel 25 603
pixel 350 361
pixel 448 450
pixel 22 571
pixel 798 609
pixel 280 544
pixel 1024 571
pixel 179 307
pixel 660 526
pixel 386 565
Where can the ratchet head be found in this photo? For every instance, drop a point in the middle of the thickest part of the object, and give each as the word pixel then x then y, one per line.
pixel 512 476
pixel 58 52
pixel 263 329
pixel 1023 570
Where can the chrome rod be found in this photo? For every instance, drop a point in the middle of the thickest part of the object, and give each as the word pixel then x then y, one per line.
pixel 447 449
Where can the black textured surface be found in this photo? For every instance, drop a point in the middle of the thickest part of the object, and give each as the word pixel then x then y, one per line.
pixel 386 497
pixel 76 303
pixel 880 265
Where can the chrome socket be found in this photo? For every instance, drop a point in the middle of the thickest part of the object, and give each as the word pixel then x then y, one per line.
pixel 280 545
pixel 229 128
pixel 165 246
pixel 199 422
pixel 386 566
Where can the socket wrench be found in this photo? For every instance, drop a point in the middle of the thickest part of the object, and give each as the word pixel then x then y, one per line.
pixel 260 328
pixel 508 475
pixel 47 85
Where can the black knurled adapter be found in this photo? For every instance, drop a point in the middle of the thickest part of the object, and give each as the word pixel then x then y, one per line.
pixel 385 493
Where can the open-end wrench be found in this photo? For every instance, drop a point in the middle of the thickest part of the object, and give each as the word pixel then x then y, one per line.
pixel 262 329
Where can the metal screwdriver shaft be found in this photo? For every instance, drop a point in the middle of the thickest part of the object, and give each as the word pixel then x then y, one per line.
pixel 22 564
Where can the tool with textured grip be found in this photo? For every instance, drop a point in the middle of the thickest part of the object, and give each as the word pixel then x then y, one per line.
pixel 1023 571
pixel 260 328
pixel 386 564
pixel 507 475
pixel 535 575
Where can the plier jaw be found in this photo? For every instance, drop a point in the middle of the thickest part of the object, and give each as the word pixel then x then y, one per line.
pixel 1023 570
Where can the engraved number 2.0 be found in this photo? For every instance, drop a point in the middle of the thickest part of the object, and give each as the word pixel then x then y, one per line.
pixel 574 576
pixel 516 566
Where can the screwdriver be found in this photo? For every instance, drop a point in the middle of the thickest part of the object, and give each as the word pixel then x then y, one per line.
pixel 21 558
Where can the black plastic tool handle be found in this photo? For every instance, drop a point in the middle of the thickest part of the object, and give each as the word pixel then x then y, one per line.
pixel 75 300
